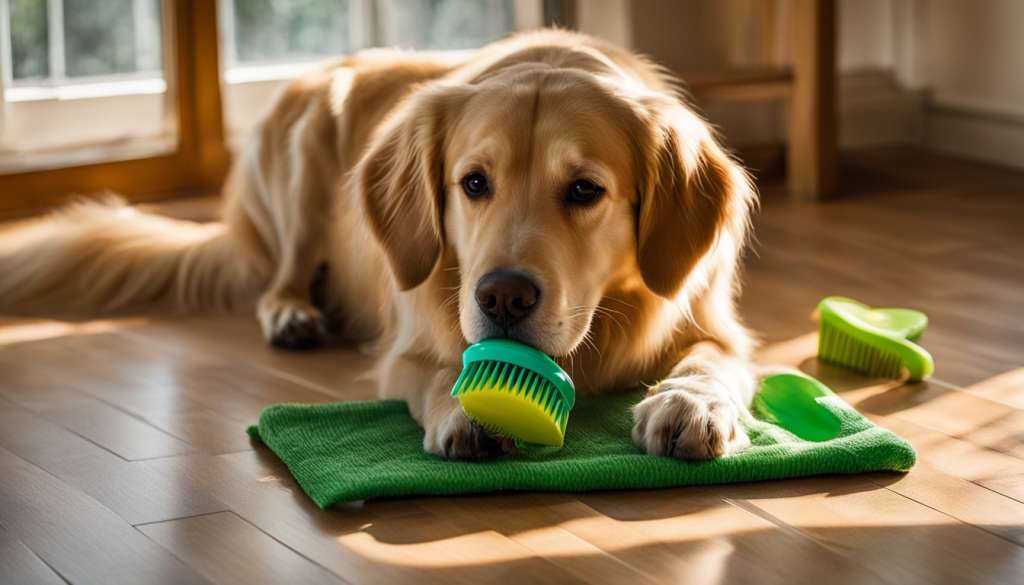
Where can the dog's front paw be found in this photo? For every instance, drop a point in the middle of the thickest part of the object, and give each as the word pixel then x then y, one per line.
pixel 688 419
pixel 291 323
pixel 457 437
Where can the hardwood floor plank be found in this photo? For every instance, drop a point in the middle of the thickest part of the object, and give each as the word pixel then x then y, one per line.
pixel 948 410
pixel 379 542
pixel 226 549
pixel 964 500
pixel 433 549
pixel 334 371
pixel 182 397
pixel 955 457
pixel 240 391
pixel 137 492
pixel 685 535
pixel 79 538
pixel 19 565
pixel 114 430
pixel 1011 486
pixel 210 432
pixel 906 541
pixel 526 520
pixel 707 532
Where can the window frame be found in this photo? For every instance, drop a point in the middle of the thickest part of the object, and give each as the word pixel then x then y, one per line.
pixel 197 161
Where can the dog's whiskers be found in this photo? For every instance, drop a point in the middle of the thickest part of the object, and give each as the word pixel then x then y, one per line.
pixel 449 301
pixel 620 301
pixel 613 316
pixel 589 340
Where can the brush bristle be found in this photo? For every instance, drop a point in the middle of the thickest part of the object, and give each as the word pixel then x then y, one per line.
pixel 497 376
pixel 838 348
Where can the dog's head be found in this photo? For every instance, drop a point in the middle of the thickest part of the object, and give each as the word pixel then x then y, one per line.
pixel 550 187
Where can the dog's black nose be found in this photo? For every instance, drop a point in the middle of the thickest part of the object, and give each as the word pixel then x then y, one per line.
pixel 506 297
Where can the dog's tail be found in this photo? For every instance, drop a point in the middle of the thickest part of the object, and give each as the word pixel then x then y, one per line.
pixel 106 257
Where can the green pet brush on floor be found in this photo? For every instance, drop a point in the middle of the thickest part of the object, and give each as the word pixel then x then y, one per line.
pixel 516 391
pixel 876 342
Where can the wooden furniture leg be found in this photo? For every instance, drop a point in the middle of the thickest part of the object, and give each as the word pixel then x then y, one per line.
pixel 812 156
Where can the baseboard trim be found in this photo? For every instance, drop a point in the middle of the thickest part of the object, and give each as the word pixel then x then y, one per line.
pixel 875 110
pixel 975 134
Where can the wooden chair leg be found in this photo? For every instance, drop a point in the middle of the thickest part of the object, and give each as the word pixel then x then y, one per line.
pixel 812 151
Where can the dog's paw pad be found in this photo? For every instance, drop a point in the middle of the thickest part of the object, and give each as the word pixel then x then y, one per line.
pixel 460 439
pixel 687 425
pixel 292 324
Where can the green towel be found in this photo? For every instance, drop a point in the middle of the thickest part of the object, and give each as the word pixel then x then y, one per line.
pixel 366 449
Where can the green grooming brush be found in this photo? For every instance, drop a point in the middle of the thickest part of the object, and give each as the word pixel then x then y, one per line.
pixel 876 342
pixel 514 390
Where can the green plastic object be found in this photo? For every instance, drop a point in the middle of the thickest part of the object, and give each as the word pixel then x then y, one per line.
pixel 516 391
pixel 877 342
pixel 792 401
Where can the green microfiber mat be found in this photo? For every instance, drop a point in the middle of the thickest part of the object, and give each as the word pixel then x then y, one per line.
pixel 366 449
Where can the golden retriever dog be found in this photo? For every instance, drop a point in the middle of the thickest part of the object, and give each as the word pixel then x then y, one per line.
pixel 548 188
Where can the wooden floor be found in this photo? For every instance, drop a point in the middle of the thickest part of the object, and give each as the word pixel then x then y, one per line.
pixel 123 457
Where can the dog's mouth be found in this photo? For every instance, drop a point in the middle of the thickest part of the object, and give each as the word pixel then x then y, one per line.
pixel 558 338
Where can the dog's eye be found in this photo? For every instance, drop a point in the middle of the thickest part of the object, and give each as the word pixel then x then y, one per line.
pixel 475 185
pixel 583 192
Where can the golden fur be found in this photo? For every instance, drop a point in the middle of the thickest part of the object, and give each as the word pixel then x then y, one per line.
pixel 359 165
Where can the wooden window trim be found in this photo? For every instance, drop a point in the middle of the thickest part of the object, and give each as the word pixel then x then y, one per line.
pixel 200 160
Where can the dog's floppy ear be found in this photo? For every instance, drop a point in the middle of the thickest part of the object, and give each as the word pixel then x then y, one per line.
pixel 691 191
pixel 401 179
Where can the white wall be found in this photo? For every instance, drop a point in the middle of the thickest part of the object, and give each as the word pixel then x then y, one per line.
pixel 975 54
pixel 865 34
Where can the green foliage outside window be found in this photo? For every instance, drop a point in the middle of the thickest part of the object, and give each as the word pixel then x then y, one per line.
pixel 114 37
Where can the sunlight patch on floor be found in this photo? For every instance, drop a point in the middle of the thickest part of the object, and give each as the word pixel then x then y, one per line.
pixel 576 537
pixel 20 331
pixel 475 548
pixel 790 352
pixel 718 527
pixel 1007 388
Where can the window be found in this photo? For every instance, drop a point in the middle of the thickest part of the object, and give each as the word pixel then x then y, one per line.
pixel 266 42
pixel 443 24
pixel 54 42
pixel 137 96
pixel 69 63
pixel 259 32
